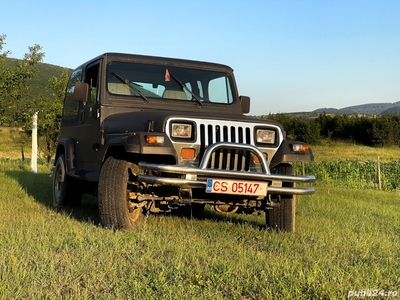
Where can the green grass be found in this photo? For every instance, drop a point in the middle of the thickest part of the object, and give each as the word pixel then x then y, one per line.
pixel 12 141
pixel 345 240
pixel 337 150
pixel 355 174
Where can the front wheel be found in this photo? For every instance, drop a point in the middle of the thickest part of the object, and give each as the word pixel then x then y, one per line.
pixel 115 208
pixel 282 217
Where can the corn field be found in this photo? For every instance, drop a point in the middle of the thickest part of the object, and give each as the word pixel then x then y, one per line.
pixel 355 174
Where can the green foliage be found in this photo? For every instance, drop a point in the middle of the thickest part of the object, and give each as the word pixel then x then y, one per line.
pixel 380 130
pixel 18 103
pixel 345 240
pixel 298 129
pixel 42 76
pixel 15 104
pixel 355 174
pixel 329 150
pixel 49 113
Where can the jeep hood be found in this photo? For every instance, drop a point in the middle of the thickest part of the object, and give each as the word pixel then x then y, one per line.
pixel 140 121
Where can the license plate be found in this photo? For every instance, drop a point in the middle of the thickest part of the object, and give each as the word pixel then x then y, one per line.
pixel 236 187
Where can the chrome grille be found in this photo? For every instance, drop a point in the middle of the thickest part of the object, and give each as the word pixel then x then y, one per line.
pixel 226 159
pixel 209 132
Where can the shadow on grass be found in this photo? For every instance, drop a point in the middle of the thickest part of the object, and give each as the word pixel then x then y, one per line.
pixel 210 214
pixel 242 219
pixel 39 187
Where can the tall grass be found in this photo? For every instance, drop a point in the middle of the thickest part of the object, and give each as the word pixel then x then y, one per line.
pixel 328 150
pixel 355 174
pixel 346 239
pixel 13 143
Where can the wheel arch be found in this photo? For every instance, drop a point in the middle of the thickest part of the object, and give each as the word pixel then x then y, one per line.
pixel 285 154
pixel 134 149
pixel 118 151
pixel 66 146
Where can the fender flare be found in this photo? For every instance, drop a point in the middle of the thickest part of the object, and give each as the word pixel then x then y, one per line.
pixel 136 144
pixel 67 146
pixel 286 154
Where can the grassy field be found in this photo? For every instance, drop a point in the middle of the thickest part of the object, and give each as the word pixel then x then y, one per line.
pixel 12 142
pixel 332 151
pixel 346 240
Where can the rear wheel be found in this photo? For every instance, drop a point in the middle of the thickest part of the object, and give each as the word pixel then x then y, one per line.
pixel 115 208
pixel 282 217
pixel 67 191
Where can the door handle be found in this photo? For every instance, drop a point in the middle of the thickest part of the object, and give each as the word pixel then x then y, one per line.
pixel 82 116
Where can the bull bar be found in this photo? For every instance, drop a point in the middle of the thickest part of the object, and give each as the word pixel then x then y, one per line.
pixel 192 172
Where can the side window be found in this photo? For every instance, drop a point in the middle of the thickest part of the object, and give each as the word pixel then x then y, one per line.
pixel 219 90
pixel 91 78
pixel 70 106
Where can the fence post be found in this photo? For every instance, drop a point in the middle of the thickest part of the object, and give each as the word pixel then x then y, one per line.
pixel 34 144
pixel 22 153
pixel 379 175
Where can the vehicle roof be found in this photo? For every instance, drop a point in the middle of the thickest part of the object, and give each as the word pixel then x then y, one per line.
pixel 159 60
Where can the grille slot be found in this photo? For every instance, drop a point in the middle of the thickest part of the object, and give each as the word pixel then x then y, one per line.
pixel 226 159
pixel 233 160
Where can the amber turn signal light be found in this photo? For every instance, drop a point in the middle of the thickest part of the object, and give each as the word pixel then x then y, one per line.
pixel 187 153
pixel 154 140
pixel 256 160
pixel 303 148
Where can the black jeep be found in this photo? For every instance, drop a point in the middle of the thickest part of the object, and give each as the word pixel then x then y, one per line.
pixel 152 134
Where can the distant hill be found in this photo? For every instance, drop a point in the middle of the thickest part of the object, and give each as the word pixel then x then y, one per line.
pixel 364 109
pixel 392 110
pixel 41 79
pixel 326 110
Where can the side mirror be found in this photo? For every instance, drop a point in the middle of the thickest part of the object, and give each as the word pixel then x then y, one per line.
pixel 245 102
pixel 81 92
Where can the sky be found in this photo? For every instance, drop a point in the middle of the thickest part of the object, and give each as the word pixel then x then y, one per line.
pixel 287 55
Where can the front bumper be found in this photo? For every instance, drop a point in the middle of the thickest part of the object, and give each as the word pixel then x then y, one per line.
pixel 196 177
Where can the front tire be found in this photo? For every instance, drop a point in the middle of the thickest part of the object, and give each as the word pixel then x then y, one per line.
pixel 115 208
pixel 282 218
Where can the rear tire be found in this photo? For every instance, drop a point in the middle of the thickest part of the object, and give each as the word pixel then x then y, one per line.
pixel 67 191
pixel 282 218
pixel 115 208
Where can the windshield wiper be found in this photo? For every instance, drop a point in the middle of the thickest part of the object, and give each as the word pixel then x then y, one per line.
pixel 126 81
pixel 183 86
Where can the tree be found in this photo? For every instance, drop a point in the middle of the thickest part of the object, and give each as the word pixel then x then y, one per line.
pixel 308 131
pixel 50 111
pixel 15 105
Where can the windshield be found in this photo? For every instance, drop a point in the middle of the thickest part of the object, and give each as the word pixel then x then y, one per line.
pixel 166 82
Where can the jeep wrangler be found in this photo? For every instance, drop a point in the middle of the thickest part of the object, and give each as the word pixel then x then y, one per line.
pixel 152 134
